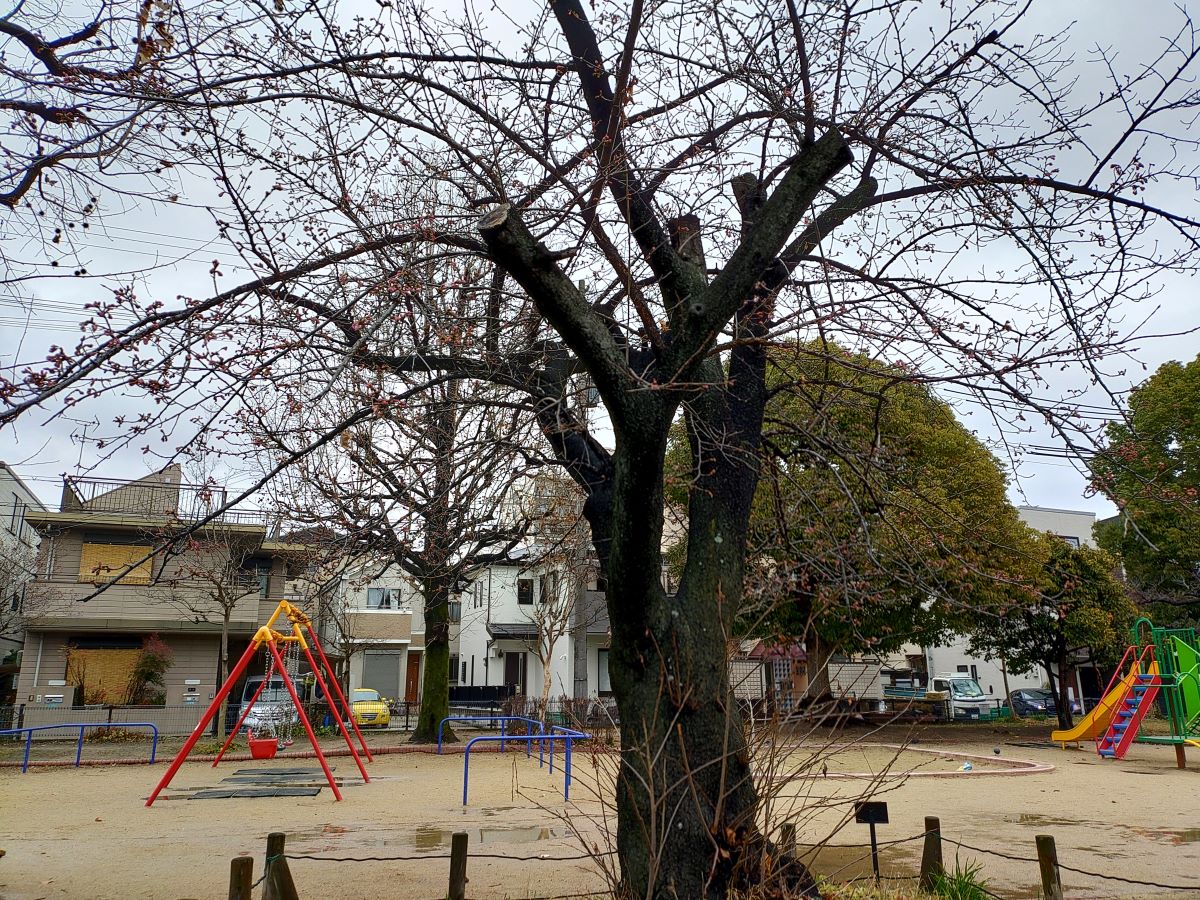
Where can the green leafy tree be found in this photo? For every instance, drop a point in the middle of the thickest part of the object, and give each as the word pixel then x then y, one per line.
pixel 1082 605
pixel 879 519
pixel 1151 470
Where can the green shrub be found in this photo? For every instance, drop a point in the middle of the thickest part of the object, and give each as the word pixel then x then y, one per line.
pixel 965 883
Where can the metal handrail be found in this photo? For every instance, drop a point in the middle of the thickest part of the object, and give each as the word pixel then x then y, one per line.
pixel 543 736
pixel 503 720
pixel 82 726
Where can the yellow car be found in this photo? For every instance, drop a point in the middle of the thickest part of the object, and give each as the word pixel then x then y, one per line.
pixel 369 708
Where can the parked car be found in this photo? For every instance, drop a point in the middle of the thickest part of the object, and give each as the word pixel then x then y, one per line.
pixel 272 711
pixel 967 699
pixel 369 708
pixel 1037 702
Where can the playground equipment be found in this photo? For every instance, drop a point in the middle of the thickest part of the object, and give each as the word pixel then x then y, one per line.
pixel 1162 661
pixel 301 638
pixel 545 738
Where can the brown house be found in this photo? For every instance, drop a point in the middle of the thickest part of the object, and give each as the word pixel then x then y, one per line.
pixel 80 645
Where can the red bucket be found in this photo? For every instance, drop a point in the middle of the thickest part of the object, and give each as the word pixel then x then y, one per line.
pixel 263 748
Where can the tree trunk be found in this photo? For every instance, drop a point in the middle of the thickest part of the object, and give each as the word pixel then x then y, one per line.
pixel 547 678
pixel 223 670
pixel 1012 710
pixel 686 799
pixel 818 653
pixel 435 691
pixel 1065 719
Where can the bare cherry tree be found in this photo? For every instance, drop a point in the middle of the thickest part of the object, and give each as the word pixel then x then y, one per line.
pixel 947 187
pixel 208 576
pixel 421 486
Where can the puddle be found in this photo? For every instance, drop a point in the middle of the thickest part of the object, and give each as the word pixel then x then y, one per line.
pixel 428 839
pixel 425 839
pixel 846 864
pixel 1033 819
pixel 1171 836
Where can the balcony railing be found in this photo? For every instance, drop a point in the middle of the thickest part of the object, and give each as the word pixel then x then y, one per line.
pixel 159 501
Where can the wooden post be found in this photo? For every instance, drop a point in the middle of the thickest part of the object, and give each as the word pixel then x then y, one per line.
pixel 278 884
pixel 1048 863
pixel 458 866
pixel 241 877
pixel 1180 756
pixel 787 839
pixel 931 856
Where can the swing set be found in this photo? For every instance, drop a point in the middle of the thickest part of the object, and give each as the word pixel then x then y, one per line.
pixel 301 639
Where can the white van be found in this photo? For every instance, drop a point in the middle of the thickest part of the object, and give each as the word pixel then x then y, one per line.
pixel 272 710
pixel 967 698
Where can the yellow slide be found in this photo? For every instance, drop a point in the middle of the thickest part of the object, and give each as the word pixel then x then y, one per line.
pixel 1095 723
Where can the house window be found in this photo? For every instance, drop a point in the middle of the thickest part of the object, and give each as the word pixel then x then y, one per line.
pixel 525 591
pixel 1072 542
pixel 261 572
pixel 548 587
pixel 463 680
pixel 477 595
pixel 454 668
pixel 99 563
pixel 603 685
pixel 963 669
pixel 455 609
pixel 383 598
pixel 16 522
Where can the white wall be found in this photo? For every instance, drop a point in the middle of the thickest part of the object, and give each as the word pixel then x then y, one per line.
pixel 948 657
pixel 16 535
pixel 1074 525
pixel 495 601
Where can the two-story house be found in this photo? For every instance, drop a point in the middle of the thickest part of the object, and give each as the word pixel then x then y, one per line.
pixel 519 621
pixel 113 569
pixel 378 630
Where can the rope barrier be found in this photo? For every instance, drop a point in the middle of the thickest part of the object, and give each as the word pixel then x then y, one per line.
pixel 1156 884
pixel 1066 868
pixel 881 844
pixel 421 856
pixel 1028 859
pixel 266 870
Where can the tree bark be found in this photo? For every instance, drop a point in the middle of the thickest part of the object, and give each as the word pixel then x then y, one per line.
pixel 223 669
pixel 435 690
pixel 1065 719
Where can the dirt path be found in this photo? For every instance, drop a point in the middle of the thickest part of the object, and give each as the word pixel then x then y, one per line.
pixel 86 833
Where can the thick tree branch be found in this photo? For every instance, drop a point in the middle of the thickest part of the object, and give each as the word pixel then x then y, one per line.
pixel 514 248
pixel 706 312
pixel 677 279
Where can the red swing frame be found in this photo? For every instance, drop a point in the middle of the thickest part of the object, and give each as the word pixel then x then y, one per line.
pixel 302 633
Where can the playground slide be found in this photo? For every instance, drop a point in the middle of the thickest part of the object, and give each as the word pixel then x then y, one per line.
pixel 1187 666
pixel 1097 721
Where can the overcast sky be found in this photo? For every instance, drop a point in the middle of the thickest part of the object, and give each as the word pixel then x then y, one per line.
pixel 171 251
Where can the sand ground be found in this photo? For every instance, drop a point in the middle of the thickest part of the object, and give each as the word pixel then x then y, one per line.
pixel 85 833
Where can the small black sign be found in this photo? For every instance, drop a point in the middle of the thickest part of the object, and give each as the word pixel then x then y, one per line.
pixel 871 812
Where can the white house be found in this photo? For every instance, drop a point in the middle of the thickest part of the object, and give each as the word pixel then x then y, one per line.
pixel 513 618
pixel 18 544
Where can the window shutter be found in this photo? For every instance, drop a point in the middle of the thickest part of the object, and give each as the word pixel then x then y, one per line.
pixel 100 562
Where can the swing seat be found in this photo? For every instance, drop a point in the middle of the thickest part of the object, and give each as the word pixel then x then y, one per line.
pixel 263 748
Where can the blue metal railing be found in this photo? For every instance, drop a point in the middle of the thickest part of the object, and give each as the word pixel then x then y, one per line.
pixel 543 736
pixel 82 726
